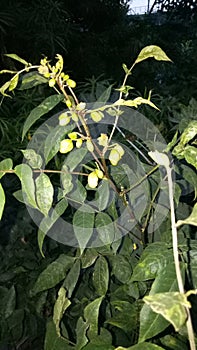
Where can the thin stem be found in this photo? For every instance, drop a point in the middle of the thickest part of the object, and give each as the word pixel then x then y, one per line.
pixel 176 258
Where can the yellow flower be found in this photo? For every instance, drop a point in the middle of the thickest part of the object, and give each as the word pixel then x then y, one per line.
pixel 72 135
pixel 90 145
pixel 114 157
pixel 64 119
pixel 79 143
pixel 103 140
pixel 97 116
pixel 66 146
pixel 71 83
pixel 93 179
pixel 99 173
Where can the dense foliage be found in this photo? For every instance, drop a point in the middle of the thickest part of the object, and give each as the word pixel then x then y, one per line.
pixel 123 293
pixel 89 290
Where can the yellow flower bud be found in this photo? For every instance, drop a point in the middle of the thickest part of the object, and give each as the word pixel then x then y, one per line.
pixel 71 83
pixel 52 82
pixel 114 157
pixel 68 103
pixel 103 140
pixel 119 149
pixel 79 143
pixel 74 117
pixel 64 119
pixel 97 116
pixel 66 146
pixel 90 145
pixel 99 173
pixel 93 179
pixel 72 135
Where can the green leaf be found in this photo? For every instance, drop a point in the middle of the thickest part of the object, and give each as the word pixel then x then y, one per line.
pixel 47 222
pixel 34 159
pixel 189 133
pixel 44 193
pixel 53 274
pixel 88 258
pixel 79 195
pixel 61 304
pixel 125 316
pixel 53 341
pixel 30 80
pixel 75 157
pixel 4 87
pixel 152 51
pixel 93 346
pixel 91 315
pixel 103 98
pixel 17 58
pixel 25 174
pixel 13 82
pixel 190 154
pixel 105 228
pixel 2 201
pixel 103 195
pixel 81 330
pixel 153 260
pixel 101 276
pixel 5 165
pixel 52 142
pixel 191 220
pixel 15 325
pixel 66 179
pixel 142 346
pixel 83 222
pixel 121 268
pixel 72 278
pixel 9 303
pixel 171 306
pixel 43 108
pixel 151 323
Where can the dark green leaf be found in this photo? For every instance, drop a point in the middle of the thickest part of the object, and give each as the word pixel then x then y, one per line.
pixel 79 194
pixel 105 228
pixel 44 193
pixel 61 304
pixel 34 159
pixel 53 274
pixel 142 346
pixel 91 314
pixel 125 316
pixel 152 262
pixel 2 201
pixel 101 276
pixel 66 179
pixel 9 303
pixel 25 174
pixel 103 195
pixel 75 157
pixel 52 142
pixel 103 98
pixel 48 104
pixel 121 268
pixel 47 222
pixel 93 346
pixel 88 258
pixel 15 324
pixel 30 80
pixel 52 341
pixel 83 222
pixel 72 278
